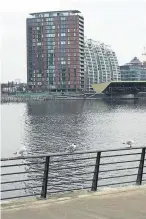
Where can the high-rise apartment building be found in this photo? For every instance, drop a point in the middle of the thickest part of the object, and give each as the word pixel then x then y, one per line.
pixel 55 51
pixel 101 64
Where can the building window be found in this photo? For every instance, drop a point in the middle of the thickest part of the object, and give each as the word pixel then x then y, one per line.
pixel 62 42
pixel 63 34
pixel 68 42
pixel 39 83
pixel 68 30
pixel 49 19
pixel 50 23
pixel 63 62
pixel 63 18
pixel 49 31
pixel 50 35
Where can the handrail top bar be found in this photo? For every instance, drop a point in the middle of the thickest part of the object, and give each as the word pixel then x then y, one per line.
pixel 67 153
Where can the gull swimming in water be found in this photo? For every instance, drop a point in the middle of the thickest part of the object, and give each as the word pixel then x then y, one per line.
pixel 129 143
pixel 72 147
pixel 21 151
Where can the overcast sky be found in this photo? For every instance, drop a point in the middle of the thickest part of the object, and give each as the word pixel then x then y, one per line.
pixel 120 24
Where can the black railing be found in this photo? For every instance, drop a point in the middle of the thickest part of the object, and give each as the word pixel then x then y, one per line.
pixel 44 175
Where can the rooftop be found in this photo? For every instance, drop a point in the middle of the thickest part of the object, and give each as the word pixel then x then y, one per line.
pixel 51 12
pixel 135 62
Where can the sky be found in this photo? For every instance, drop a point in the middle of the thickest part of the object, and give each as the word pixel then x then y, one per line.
pixel 120 24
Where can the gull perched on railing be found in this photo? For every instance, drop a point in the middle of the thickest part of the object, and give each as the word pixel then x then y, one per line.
pixel 21 151
pixel 129 143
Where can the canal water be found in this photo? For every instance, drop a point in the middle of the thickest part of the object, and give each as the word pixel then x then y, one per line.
pixel 52 126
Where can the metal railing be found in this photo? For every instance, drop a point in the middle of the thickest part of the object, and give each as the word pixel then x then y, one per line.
pixel 44 175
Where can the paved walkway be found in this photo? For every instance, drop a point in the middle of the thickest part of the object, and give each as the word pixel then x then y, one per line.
pixel 114 204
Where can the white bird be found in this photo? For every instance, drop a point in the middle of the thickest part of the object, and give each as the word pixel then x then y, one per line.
pixel 72 147
pixel 21 151
pixel 129 143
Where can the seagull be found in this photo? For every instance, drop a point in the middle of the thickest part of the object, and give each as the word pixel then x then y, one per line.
pixel 20 151
pixel 129 143
pixel 72 147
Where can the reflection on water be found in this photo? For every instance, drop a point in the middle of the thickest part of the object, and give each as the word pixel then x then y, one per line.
pixel 54 125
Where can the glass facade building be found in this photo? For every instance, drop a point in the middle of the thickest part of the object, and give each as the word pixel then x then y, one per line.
pixel 55 51
pixel 133 71
pixel 101 64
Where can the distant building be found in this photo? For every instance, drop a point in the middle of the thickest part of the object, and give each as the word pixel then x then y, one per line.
pixel 55 51
pixel 101 64
pixel 13 87
pixel 133 71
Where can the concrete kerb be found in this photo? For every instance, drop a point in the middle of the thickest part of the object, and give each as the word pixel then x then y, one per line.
pixel 105 193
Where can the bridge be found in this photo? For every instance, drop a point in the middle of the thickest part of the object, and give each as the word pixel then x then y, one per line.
pixel 120 87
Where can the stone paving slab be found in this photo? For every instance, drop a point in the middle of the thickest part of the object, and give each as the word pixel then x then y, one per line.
pixel 127 203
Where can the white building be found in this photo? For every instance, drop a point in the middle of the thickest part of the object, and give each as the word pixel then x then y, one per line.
pixel 101 64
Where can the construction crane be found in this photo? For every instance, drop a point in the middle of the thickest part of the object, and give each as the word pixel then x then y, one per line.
pixel 144 55
pixel 144 51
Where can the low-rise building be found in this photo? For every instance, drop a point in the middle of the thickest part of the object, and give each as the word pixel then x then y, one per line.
pixel 133 71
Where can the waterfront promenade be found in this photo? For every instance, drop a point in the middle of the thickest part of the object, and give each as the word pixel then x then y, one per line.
pixel 122 203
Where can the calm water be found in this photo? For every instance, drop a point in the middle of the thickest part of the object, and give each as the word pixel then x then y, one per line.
pixel 54 125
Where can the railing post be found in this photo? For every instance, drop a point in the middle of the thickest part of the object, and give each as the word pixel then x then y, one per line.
pixel 45 179
pixel 140 169
pixel 96 172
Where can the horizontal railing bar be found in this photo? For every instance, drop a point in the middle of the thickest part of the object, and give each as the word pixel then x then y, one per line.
pixel 66 168
pixel 126 161
pixel 23 164
pixel 129 168
pixel 22 188
pixel 8 174
pixel 70 190
pixel 22 196
pixel 24 180
pixel 111 184
pixel 119 155
pixel 67 175
pixel 67 153
pixel 112 177
pixel 86 158
pixel 68 183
